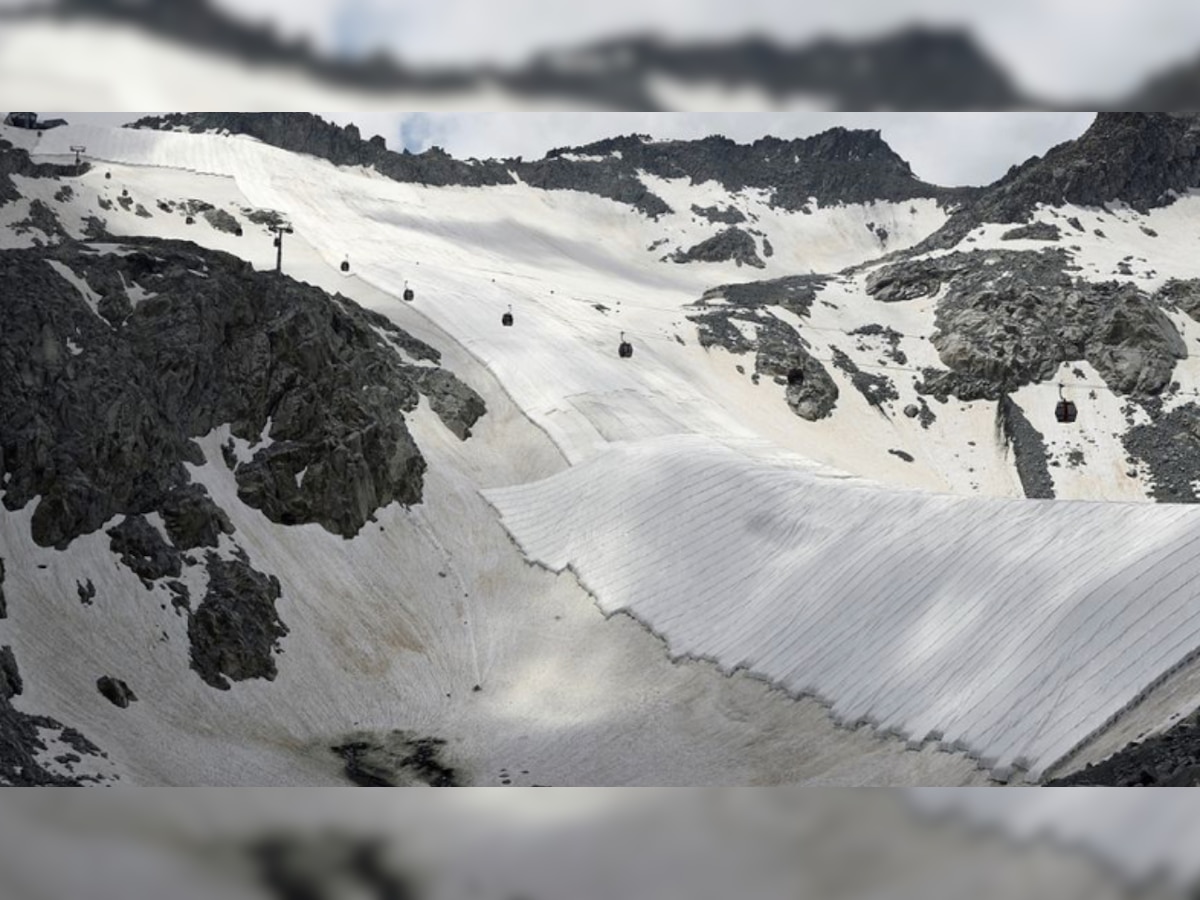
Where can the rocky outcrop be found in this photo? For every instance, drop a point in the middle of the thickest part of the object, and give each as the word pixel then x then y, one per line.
pixel 395 759
pixel 115 691
pixel 1169 759
pixel 10 677
pixel 457 405
pixel 3 602
pixel 235 631
pixel 1009 318
pixel 1182 294
pixel 780 352
pixel 23 747
pixel 106 431
pixel 1143 159
pixel 732 244
pixel 1030 454
pixel 1169 446
pixel 876 388
pixel 192 519
pixel 144 551
pixel 1034 231
pixel 15 161
pixel 222 221
pixel 730 215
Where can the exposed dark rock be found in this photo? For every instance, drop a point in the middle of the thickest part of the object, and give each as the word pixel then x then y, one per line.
pixel 235 630
pixel 780 351
pixel 142 212
pixel 877 389
pixel 1169 446
pixel 1013 317
pixel 268 217
pixel 1149 232
pixel 1030 454
pixel 222 221
pixel 892 338
pixel 86 591
pixel 768 250
pixel 181 597
pixel 1075 223
pixel 1181 293
pixel 64 193
pixel 908 280
pixel 456 404
pixel 731 215
pixel 115 691
pixel 192 519
pixel 1034 231
pixel 143 550
pixel 1169 759
pixel 21 739
pixel 730 244
pixel 907 457
pixel 912 410
pixel 3 602
pixel 106 432
pixel 1144 159
pixel 11 684
pixel 394 759
pixel 297 865
pixel 15 161
pixel 41 218
pixel 795 293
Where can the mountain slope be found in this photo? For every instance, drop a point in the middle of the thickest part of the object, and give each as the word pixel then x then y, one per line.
pixel 927 367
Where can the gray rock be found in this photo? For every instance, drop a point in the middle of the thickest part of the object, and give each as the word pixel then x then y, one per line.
pixel 11 684
pixel 1035 231
pixel 907 457
pixel 86 592
pixel 235 631
pixel 1030 454
pixel 456 404
pixel 1169 448
pixel 396 758
pixel 912 410
pixel 731 215
pixel 143 550
pixel 3 602
pixel 115 691
pixel 877 389
pixel 192 519
pixel 908 280
pixel 222 221
pixel 1010 318
pixel 107 432
pixel 730 244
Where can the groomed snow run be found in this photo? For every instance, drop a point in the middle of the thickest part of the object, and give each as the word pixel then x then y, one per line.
pixel 1013 630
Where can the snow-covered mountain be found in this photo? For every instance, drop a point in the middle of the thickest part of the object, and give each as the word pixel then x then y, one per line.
pixel 294 515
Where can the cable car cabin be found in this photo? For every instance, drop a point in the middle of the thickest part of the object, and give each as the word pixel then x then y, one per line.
pixel 507 319
pixel 795 377
pixel 624 349
pixel 189 221
pixel 345 265
pixel 1065 411
pixel 408 293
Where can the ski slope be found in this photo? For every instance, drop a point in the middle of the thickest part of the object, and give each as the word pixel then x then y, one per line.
pixel 1012 630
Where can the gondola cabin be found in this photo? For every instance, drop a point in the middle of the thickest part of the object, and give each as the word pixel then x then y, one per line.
pixel 1065 411
pixel 408 292
pixel 624 349
pixel 345 265
pixel 507 319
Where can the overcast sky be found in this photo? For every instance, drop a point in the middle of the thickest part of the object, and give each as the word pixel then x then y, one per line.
pixel 1057 49
pixel 945 148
